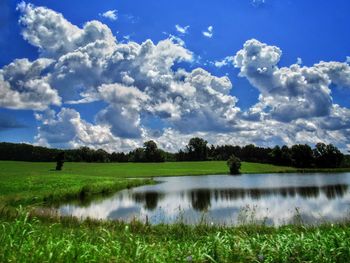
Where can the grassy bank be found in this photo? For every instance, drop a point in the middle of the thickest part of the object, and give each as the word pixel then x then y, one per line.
pixel 30 240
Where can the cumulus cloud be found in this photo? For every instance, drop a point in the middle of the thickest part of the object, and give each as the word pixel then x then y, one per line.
pixel 88 64
pixel 67 129
pixel 110 14
pixel 139 80
pixel 54 35
pixel 123 114
pixel 23 85
pixel 182 30
pixel 209 32
pixel 289 93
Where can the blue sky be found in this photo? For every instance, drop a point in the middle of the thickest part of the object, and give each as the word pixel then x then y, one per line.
pixel 287 111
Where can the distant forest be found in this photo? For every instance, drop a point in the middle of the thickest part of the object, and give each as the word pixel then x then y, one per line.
pixel 197 149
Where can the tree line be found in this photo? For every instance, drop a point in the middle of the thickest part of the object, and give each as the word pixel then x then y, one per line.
pixel 197 149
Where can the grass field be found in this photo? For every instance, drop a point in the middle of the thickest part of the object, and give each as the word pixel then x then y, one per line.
pixel 46 239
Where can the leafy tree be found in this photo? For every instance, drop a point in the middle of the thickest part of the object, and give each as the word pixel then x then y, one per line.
pixel 302 155
pixel 137 155
pixel 281 156
pixel 59 161
pixel 152 153
pixel 276 155
pixel 234 164
pixel 101 156
pixel 197 149
pixel 181 156
pixel 119 157
pixel 286 158
pixel 327 156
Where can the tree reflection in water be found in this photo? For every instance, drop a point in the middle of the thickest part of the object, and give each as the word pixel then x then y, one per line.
pixel 149 199
pixel 201 198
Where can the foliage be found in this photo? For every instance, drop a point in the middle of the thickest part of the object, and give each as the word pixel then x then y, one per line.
pixel 152 153
pixel 327 156
pixel 197 149
pixel 59 161
pixel 281 156
pixel 148 154
pixel 234 164
pixel 302 156
pixel 322 156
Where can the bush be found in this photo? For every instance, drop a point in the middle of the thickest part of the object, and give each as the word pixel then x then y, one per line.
pixel 59 161
pixel 234 164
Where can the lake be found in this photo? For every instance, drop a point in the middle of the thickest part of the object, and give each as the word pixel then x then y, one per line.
pixel 272 199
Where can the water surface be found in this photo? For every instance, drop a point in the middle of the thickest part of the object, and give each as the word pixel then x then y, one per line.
pixel 274 199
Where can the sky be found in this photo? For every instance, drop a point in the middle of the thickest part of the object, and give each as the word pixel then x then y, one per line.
pixel 114 74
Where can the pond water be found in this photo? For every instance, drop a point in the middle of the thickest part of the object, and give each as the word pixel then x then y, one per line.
pixel 273 199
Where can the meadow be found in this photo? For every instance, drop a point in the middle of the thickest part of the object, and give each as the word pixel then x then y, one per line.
pixel 29 237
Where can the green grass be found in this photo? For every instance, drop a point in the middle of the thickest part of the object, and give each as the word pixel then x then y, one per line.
pixel 31 240
pixel 136 169
pixel 52 239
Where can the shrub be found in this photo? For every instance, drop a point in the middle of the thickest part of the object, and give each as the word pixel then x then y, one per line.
pixel 234 164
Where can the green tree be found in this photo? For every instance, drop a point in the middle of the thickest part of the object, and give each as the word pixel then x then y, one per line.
pixel 234 164
pixel 276 155
pixel 327 156
pixel 302 155
pixel 137 155
pixel 152 153
pixel 59 161
pixel 197 149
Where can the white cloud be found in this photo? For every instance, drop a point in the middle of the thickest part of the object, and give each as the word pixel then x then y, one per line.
pixel 94 64
pixel 54 35
pixel 299 61
pixel 24 86
pixel 209 33
pixel 142 80
pixel 177 40
pixel 182 30
pixel 224 62
pixel 123 114
pixel 289 93
pixel 110 14
pixel 67 129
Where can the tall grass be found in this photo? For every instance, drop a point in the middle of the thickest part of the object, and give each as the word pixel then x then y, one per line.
pixel 28 239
